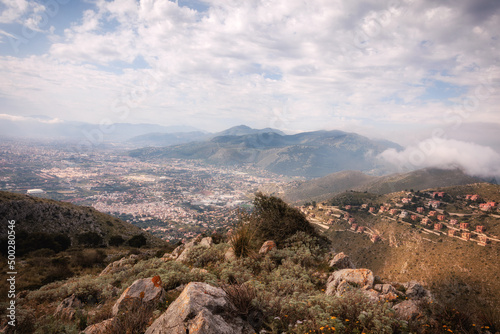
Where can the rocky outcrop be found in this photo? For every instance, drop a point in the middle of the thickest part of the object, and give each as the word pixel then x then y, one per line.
pixel 341 261
pixel 206 242
pixel 120 265
pixel 416 291
pixel 174 255
pixel 103 327
pixel 267 247
pixel 200 309
pixel 361 278
pixel 181 253
pixel 67 308
pixel 147 291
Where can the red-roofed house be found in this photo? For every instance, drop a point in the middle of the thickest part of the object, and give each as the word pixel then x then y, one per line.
pixel 438 226
pixel 420 209
pixel 432 213
pixel 466 235
pixel 441 217
pixel 480 229
pixel 464 226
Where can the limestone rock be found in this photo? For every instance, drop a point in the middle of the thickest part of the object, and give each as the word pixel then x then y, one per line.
pixel 407 309
pixel 200 309
pixel 356 277
pixel 187 247
pixel 174 255
pixel 146 290
pixel 267 247
pixel 385 288
pixel 67 308
pixel 206 242
pixel 230 255
pixel 341 261
pixel 120 265
pixel 102 327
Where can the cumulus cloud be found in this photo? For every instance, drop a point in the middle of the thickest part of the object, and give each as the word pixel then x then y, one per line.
pixel 362 61
pixel 473 159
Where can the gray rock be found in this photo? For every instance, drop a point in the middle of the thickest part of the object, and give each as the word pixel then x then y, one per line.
pixel 200 309
pixel 355 277
pixel 416 291
pixel 120 265
pixel 407 309
pixel 341 261
pixel 230 255
pixel 174 255
pixel 67 308
pixel 206 242
pixel 147 290
pixel 103 327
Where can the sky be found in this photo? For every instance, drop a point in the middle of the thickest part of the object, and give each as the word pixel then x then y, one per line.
pixel 403 70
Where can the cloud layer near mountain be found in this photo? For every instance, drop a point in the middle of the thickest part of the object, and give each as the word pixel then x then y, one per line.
pixel 473 159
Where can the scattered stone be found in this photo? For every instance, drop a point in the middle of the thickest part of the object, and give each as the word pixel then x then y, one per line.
pixel 200 309
pixel 416 291
pixel 102 327
pixel 146 290
pixel 356 277
pixel 267 247
pixel 67 308
pixel 120 265
pixel 342 261
pixel 174 255
pixel 385 288
pixel 230 255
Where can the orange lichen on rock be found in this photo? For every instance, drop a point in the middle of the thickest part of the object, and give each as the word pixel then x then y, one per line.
pixel 156 281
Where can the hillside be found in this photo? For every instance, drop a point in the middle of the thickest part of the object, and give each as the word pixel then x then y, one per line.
pixel 265 277
pixel 309 154
pixel 38 215
pixel 323 188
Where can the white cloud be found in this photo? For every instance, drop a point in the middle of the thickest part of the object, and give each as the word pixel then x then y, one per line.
pixel 327 62
pixel 473 159
pixel 14 118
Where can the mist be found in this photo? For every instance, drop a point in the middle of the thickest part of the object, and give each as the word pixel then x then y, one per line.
pixel 473 159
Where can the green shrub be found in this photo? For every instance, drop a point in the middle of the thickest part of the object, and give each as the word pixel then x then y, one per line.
pixel 89 239
pixel 138 241
pixel 116 240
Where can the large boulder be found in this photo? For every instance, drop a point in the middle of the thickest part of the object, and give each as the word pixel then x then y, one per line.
pixel 341 261
pixel 361 278
pixel 120 265
pixel 147 291
pixel 267 247
pixel 200 309
pixel 103 327
pixel 67 308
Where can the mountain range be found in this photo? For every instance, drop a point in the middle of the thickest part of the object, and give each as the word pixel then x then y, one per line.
pixel 308 154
